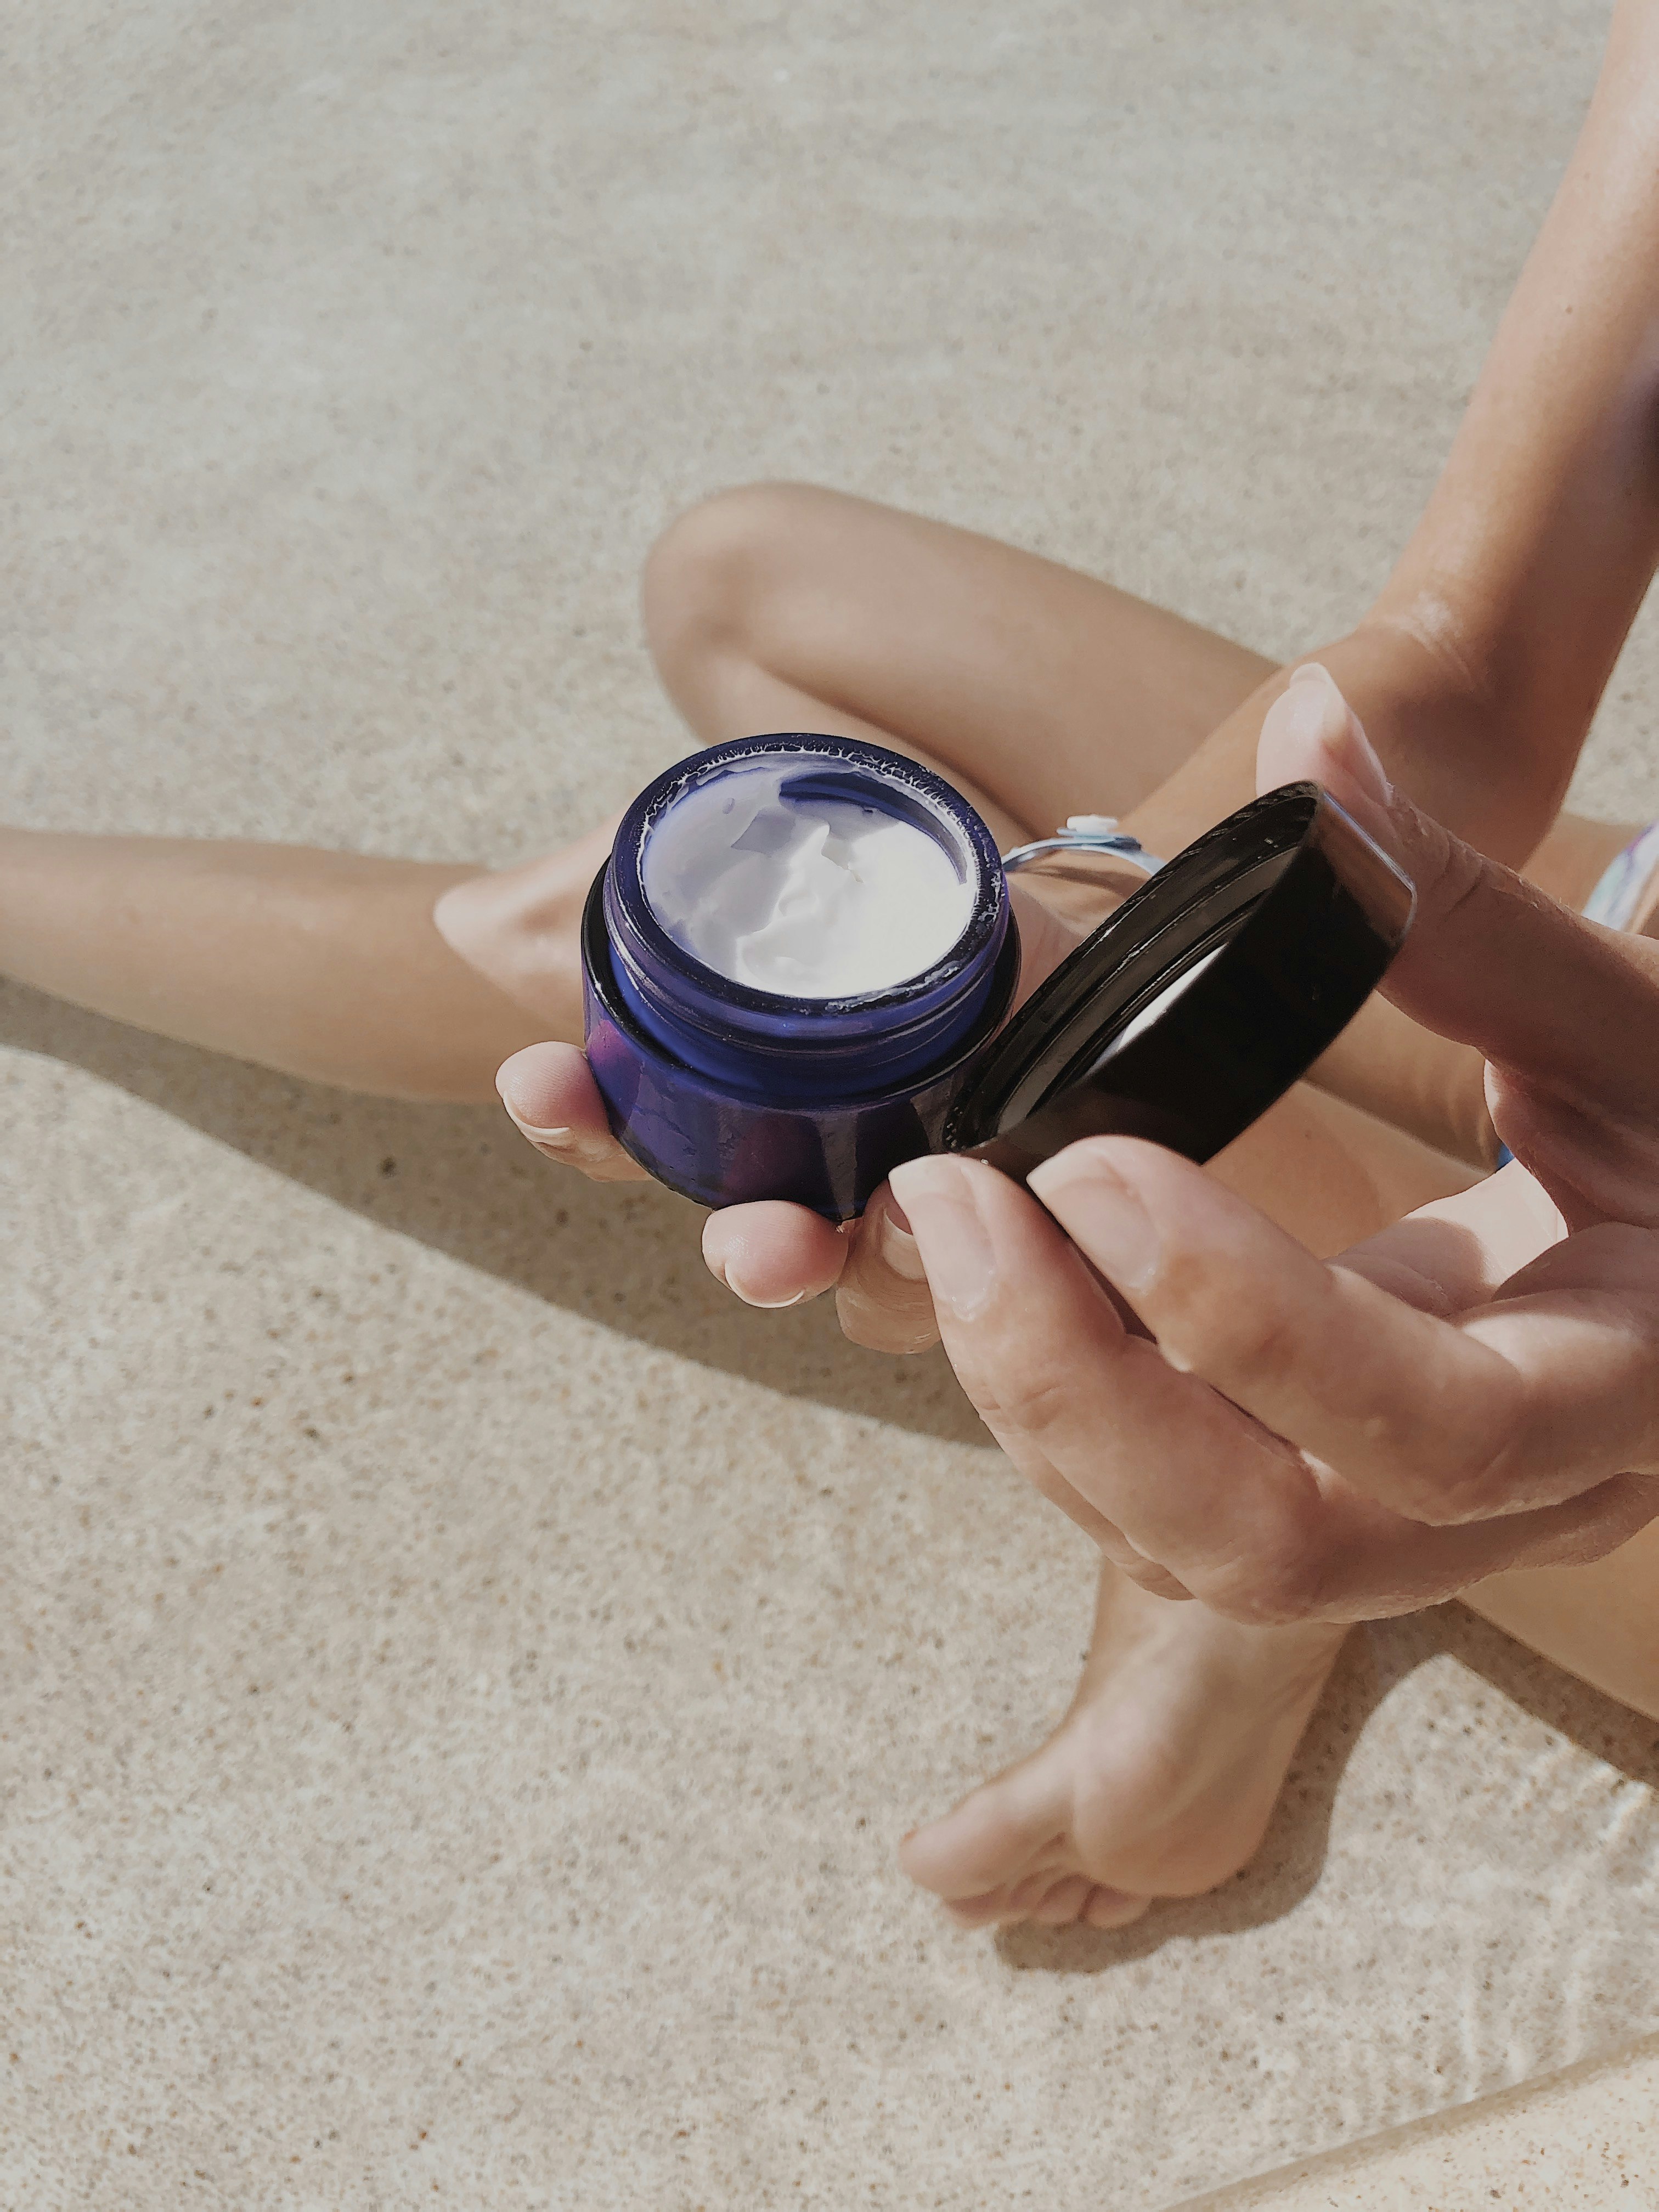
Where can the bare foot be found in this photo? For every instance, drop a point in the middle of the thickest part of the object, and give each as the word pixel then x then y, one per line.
pixel 521 928
pixel 1158 1783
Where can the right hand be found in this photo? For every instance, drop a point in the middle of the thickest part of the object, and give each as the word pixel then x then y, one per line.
pixel 1473 1389
pixel 774 1254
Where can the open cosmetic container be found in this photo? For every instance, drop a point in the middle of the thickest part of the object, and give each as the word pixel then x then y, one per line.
pixel 800 957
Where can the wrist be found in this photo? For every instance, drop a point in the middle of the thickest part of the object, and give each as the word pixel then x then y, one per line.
pixel 1446 730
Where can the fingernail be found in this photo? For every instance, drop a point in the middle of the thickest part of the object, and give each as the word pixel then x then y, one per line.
pixel 1102 1216
pixel 541 1136
pixel 766 1305
pixel 896 1243
pixel 531 1129
pixel 579 1147
pixel 1313 709
pixel 938 1201
pixel 1312 706
pixel 573 1147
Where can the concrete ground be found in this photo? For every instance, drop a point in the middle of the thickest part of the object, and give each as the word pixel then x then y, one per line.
pixel 463 1677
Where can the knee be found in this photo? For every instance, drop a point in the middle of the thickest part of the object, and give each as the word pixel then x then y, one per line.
pixel 714 579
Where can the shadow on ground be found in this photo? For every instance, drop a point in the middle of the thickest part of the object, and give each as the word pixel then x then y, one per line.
pixel 461 1179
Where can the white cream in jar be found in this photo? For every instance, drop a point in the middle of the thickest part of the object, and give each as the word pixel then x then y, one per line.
pixel 807 895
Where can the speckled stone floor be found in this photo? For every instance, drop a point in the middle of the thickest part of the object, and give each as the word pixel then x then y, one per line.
pixel 462 1677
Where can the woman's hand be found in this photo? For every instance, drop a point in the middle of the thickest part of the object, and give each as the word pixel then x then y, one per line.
pixel 774 1254
pixel 1475 1390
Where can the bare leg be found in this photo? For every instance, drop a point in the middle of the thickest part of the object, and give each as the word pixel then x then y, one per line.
pixel 1159 1781
pixel 1039 691
pixel 324 964
pixel 1029 683
pixel 1600 1623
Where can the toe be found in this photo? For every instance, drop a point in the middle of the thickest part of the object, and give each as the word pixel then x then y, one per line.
pixel 999 1834
pixel 1045 1901
pixel 1063 1903
pixel 980 1911
pixel 1112 1908
pixel 1024 1899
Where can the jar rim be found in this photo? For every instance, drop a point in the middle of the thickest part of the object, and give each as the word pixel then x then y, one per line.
pixel 631 906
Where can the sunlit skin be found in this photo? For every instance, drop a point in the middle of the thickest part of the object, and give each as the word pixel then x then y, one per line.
pixel 1041 693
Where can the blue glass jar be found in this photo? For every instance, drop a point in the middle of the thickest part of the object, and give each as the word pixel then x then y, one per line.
pixel 726 1092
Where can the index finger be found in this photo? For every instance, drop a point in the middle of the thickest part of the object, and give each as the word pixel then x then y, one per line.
pixel 1529 1401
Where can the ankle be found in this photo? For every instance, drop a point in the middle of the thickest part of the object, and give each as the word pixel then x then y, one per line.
pixel 520 927
pixel 1128 1618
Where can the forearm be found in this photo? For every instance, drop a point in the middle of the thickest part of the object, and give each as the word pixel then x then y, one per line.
pixel 1438 739
pixel 1478 670
pixel 1541 536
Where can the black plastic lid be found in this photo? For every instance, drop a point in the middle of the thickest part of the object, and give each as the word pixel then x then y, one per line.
pixel 1211 991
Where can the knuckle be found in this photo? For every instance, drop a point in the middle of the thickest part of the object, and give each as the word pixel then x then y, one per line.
pixel 1469 1479
pixel 1253 1344
pixel 1031 1400
pixel 1453 873
pixel 1279 1583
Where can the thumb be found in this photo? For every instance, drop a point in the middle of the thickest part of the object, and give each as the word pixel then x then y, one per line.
pixel 1567 1013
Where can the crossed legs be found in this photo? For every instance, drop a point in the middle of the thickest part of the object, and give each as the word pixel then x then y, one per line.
pixel 1039 692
